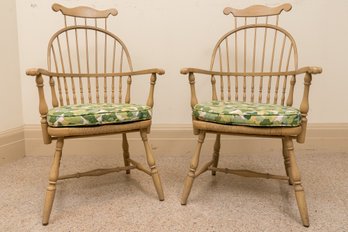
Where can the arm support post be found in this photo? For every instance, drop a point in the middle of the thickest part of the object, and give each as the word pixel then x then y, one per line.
pixel 150 100
pixel 43 109
pixel 194 100
pixel 304 107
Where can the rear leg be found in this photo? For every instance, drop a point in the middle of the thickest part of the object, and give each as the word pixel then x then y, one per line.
pixel 216 154
pixel 287 163
pixel 125 148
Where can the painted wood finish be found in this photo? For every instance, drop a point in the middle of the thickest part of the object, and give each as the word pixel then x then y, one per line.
pixel 89 64
pixel 257 62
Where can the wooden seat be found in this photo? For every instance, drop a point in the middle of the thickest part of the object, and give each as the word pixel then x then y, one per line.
pixel 254 63
pixel 87 65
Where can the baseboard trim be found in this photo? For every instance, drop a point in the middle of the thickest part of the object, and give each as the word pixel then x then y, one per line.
pixel 178 139
pixel 12 145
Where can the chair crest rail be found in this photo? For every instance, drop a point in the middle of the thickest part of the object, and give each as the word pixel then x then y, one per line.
pixel 257 10
pixel 255 64
pixel 84 11
pixel 89 69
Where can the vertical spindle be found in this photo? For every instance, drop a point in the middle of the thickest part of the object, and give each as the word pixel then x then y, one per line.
pixel 105 60
pixel 236 61
pixel 221 77
pixel 120 79
pixel 96 62
pixel 228 70
pixel 254 63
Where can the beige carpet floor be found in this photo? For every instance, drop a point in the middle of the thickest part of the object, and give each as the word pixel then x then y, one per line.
pixel 120 202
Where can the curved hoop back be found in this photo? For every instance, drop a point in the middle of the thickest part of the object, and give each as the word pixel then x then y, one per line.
pixel 85 48
pixel 254 47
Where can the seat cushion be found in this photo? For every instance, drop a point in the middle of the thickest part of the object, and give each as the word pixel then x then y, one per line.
pixel 96 114
pixel 248 114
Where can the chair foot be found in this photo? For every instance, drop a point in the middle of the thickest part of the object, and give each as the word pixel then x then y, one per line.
pixel 302 205
pixel 187 189
pixel 50 193
pixel 158 185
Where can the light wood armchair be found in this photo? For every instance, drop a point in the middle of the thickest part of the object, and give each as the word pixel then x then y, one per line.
pixel 253 72
pixel 85 82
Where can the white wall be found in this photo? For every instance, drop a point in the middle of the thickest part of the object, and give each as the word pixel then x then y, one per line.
pixel 10 87
pixel 181 33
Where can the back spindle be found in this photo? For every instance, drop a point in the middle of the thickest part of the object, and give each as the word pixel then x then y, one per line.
pixel 236 61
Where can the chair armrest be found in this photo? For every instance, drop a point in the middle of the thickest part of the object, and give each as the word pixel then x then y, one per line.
pixel 308 69
pixel 38 71
pixel 202 71
pixel 146 71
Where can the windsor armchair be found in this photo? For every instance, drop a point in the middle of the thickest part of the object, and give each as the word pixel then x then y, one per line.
pixel 256 65
pixel 86 67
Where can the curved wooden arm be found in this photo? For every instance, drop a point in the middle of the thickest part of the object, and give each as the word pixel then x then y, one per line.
pixel 37 71
pixel 309 69
pixel 312 70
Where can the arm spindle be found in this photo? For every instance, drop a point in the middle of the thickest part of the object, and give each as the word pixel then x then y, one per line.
pixel 53 93
pixel 194 100
pixel 304 107
pixel 43 109
pixel 129 83
pixel 150 100
pixel 213 87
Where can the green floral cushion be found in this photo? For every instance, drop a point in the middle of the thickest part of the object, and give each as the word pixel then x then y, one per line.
pixel 247 114
pixel 96 114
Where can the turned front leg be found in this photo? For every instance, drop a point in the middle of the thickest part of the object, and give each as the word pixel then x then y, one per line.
pixel 296 180
pixel 193 167
pixel 152 164
pixel 51 189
